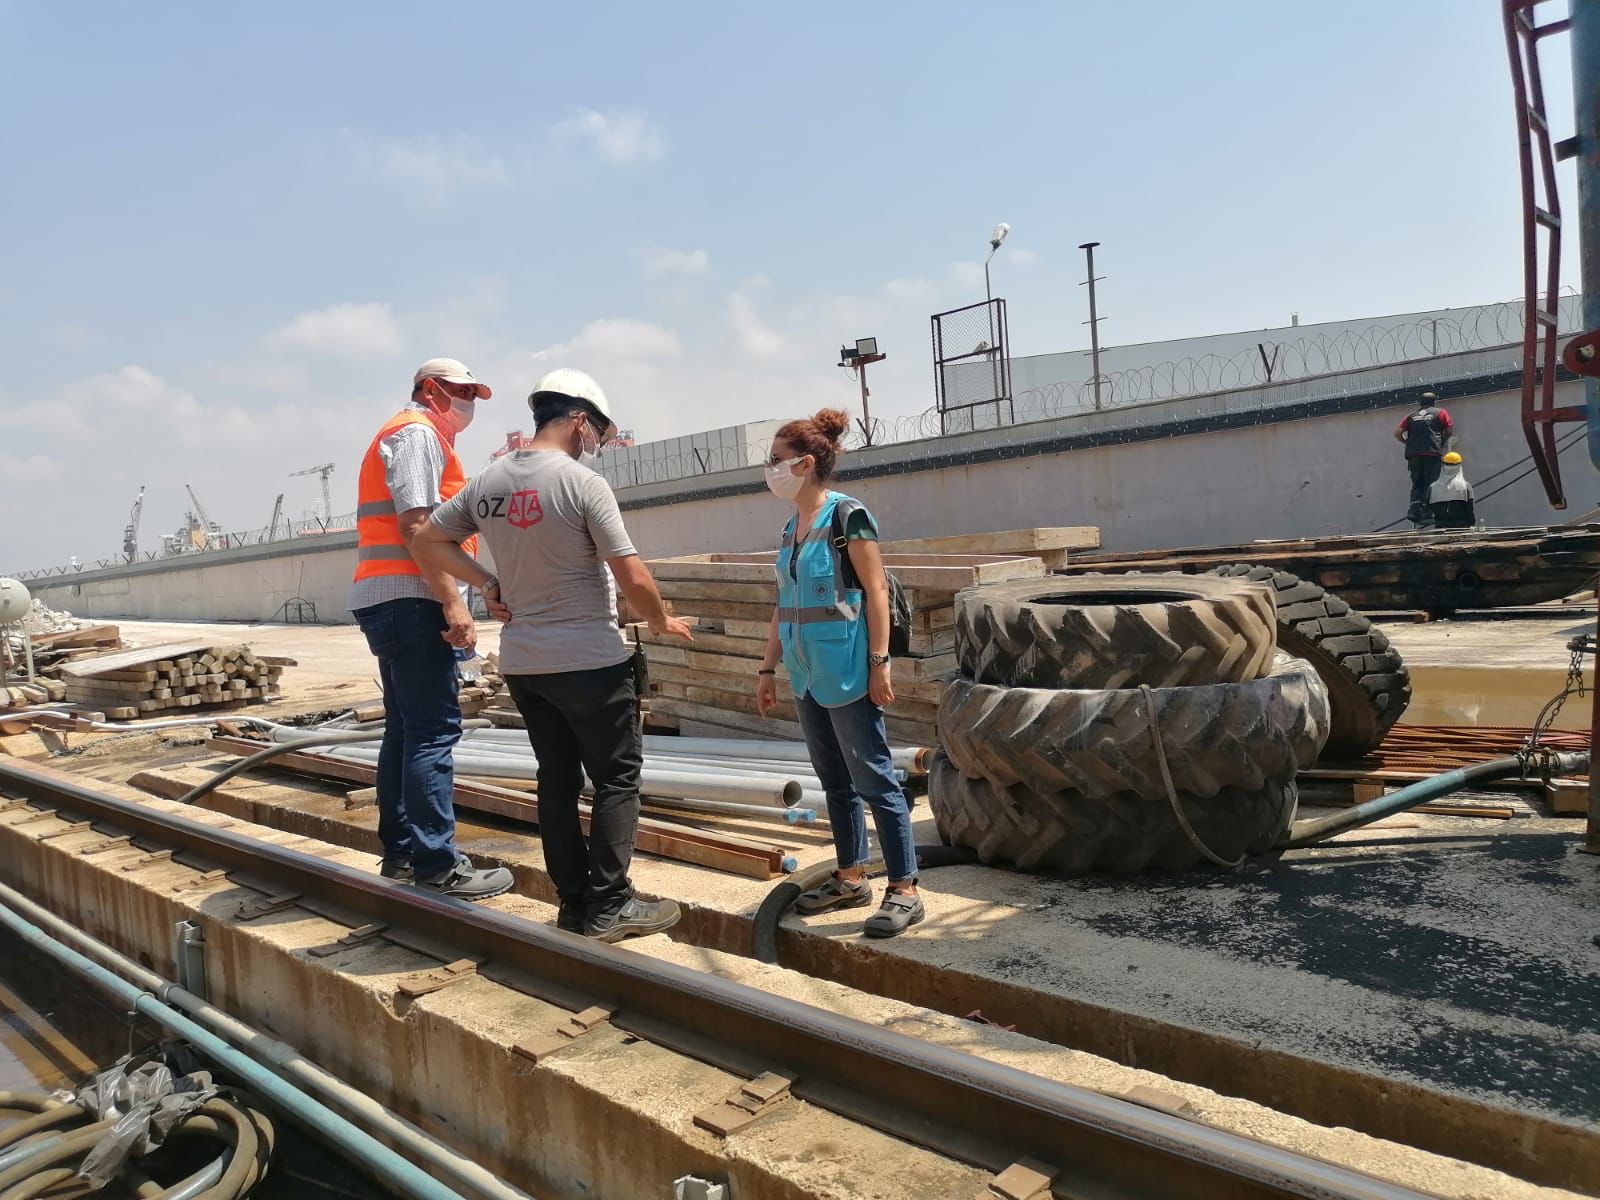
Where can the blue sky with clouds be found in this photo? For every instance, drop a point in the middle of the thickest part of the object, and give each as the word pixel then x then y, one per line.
pixel 230 231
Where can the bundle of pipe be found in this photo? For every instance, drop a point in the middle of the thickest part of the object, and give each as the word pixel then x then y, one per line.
pixel 685 785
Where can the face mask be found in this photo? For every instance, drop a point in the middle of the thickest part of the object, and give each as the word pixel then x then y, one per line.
pixel 587 456
pixel 782 481
pixel 461 413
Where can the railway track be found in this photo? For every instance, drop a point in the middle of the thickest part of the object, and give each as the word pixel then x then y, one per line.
pixel 960 1105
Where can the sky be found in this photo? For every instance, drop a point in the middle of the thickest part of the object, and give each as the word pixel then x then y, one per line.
pixel 229 233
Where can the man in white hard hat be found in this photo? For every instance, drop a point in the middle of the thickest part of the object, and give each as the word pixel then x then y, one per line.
pixel 414 620
pixel 553 528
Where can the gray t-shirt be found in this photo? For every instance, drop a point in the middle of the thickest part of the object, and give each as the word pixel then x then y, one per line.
pixel 550 525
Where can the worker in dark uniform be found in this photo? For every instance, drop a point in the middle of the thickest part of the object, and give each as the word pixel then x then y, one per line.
pixel 1426 433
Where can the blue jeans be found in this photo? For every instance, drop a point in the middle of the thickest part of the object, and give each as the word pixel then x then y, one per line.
pixel 850 753
pixel 422 724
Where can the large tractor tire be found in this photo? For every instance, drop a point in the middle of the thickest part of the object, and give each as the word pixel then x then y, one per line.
pixel 1071 834
pixel 1099 743
pixel 1368 685
pixel 1115 631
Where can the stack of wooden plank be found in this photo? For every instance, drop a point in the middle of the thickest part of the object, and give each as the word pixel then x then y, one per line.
pixel 51 653
pixel 175 675
pixel 709 688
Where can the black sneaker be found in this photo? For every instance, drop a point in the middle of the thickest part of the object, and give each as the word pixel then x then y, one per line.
pixel 634 919
pixel 570 916
pixel 397 869
pixel 466 882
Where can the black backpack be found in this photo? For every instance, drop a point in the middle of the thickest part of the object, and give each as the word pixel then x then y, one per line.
pixel 899 606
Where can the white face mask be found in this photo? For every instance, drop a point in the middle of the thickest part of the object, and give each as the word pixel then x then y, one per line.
pixel 782 481
pixel 461 413
pixel 588 446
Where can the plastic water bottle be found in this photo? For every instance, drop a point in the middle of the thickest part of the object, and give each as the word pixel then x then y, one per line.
pixel 469 665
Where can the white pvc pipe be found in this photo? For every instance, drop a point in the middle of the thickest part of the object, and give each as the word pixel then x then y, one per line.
pixel 767 789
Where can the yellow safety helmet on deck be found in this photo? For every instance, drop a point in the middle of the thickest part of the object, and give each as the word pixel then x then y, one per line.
pixel 1452 458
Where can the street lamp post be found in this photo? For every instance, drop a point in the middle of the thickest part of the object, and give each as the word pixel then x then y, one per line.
pixel 995 238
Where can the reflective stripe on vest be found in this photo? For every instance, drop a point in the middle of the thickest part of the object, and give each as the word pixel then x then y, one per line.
pixel 820 623
pixel 381 548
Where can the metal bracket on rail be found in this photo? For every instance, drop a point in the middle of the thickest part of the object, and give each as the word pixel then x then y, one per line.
pixel 115 842
pixel 214 875
pixel 356 937
pixel 69 828
pixel 425 982
pixel 148 860
pixel 1149 1097
pixel 1025 1180
pixel 574 1027
pixel 755 1098
pixel 266 906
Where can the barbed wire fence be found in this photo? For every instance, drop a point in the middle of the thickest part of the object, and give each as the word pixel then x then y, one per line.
pixel 1270 361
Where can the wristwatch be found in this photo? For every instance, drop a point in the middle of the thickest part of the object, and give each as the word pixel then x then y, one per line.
pixel 878 660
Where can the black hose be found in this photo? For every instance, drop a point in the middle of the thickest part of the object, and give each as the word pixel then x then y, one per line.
pixel 764 926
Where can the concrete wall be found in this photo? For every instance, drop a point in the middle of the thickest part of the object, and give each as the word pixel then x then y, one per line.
pixel 1282 461
pixel 249 584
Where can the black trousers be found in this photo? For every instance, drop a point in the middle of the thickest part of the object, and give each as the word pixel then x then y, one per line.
pixel 1425 470
pixel 586 721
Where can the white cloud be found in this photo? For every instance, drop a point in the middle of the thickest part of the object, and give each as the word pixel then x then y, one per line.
pixel 912 290
pixel 618 339
pixel 621 137
pixel 757 339
pixel 967 274
pixel 431 168
pixel 355 331
pixel 1022 256
pixel 658 260
pixel 42 417
pixel 33 468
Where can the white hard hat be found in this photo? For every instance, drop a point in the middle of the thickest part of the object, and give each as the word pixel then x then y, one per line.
pixel 575 385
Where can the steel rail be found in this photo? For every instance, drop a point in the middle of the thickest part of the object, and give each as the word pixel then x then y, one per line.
pixel 956 1103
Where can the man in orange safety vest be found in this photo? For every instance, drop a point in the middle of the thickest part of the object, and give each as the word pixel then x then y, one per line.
pixel 414 620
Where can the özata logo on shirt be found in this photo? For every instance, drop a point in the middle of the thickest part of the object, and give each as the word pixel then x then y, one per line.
pixel 521 509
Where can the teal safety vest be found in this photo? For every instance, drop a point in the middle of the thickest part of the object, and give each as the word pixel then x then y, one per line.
pixel 821 624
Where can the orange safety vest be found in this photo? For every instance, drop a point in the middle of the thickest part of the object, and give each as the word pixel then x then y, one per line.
pixel 381 549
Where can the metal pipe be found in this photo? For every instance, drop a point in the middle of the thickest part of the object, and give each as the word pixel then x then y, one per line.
pixel 798 815
pixel 737 789
pixel 384 1164
pixel 809 783
pixel 911 759
pixel 1304 833
pixel 278 1056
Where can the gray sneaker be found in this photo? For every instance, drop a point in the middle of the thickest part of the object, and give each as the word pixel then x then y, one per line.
pixel 466 882
pixel 898 913
pixel 634 919
pixel 835 893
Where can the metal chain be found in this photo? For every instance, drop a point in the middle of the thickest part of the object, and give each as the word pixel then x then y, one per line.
pixel 1532 746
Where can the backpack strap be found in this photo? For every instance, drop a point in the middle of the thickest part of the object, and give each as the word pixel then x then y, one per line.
pixel 844 573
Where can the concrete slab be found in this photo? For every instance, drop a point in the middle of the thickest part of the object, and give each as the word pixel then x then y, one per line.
pixel 1440 969
pixel 608 1091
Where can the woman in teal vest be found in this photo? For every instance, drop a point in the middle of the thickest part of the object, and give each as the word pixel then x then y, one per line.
pixel 834 643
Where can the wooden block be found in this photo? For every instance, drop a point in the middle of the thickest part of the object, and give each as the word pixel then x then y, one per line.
pixel 1011 541
pixel 1568 797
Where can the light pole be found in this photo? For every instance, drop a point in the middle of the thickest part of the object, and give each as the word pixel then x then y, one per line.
pixel 1093 322
pixel 995 238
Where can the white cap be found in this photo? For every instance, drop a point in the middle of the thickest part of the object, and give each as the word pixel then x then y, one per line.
pixel 451 370
pixel 575 385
